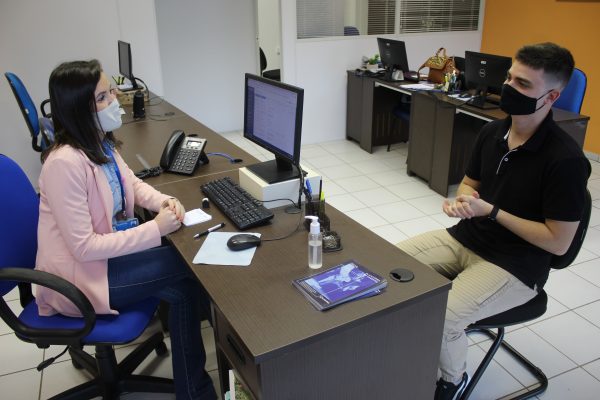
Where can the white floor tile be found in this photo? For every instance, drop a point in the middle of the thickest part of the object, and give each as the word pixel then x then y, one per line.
pixel 391 178
pixel 366 217
pixel 341 171
pixel 431 204
pixel 584 255
pixel 376 196
pixel 21 385
pixel 356 184
pixel 397 163
pixel 417 226
pixel 536 350
pixel 571 334
pixel 389 233
pixel 313 151
pixel 591 312
pixel 495 382
pixel 592 238
pixel 340 146
pixel 398 211
pixel 372 167
pixel 573 385
pixel 326 161
pixel 595 217
pixel 15 306
pixel 345 202
pixel 61 376
pixel 589 270
pixel 410 190
pixel 570 289
pixel 331 188
pixel 18 355
pixel 593 368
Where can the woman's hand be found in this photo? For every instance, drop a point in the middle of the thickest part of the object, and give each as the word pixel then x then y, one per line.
pixel 167 221
pixel 174 205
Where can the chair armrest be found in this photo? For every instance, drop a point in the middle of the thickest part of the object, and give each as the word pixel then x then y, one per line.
pixel 43 108
pixel 60 285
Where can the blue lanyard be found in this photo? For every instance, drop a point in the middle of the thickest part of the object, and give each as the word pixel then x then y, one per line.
pixel 112 158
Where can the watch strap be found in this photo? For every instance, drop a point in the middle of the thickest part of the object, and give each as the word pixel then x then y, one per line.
pixel 494 213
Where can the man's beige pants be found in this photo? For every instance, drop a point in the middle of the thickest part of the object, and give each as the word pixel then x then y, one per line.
pixel 479 289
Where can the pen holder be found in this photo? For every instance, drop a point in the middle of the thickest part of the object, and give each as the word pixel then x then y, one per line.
pixel 316 207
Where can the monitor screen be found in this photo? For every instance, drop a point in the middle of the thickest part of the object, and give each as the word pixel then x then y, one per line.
pixel 393 55
pixel 273 120
pixel 486 73
pixel 125 63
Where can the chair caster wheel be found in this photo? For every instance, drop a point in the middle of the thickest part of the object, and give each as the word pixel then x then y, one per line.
pixel 161 349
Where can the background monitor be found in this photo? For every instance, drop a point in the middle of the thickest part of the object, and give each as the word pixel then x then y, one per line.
pixel 125 63
pixel 393 55
pixel 485 73
pixel 273 120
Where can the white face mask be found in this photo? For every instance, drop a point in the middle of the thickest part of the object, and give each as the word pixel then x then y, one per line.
pixel 110 117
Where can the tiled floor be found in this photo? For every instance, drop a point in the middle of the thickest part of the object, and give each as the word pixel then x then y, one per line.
pixel 375 190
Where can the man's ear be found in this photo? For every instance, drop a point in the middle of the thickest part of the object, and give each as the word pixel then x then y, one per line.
pixel 553 96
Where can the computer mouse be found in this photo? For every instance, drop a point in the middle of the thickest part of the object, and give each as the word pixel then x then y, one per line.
pixel 243 241
pixel 464 95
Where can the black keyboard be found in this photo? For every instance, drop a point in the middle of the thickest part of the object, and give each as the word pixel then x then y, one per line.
pixel 237 204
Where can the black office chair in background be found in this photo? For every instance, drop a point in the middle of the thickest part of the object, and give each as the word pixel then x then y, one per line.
pixel 274 74
pixel 531 310
pixel 40 128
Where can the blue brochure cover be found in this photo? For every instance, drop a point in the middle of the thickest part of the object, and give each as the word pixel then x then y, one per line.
pixel 344 282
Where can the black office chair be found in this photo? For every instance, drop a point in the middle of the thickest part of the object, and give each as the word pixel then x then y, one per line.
pixel 351 31
pixel 531 310
pixel 400 115
pixel 274 74
pixel 18 247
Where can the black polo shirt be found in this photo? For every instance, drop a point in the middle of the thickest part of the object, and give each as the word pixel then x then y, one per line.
pixel 545 178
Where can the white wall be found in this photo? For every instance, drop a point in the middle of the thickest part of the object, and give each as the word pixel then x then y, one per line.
pixel 206 47
pixel 319 66
pixel 35 36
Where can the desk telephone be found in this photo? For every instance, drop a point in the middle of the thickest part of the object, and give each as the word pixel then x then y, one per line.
pixel 182 153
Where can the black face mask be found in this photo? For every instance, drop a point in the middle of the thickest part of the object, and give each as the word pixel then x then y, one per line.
pixel 514 102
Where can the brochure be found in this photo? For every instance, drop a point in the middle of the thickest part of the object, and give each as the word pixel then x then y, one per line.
pixel 237 391
pixel 344 282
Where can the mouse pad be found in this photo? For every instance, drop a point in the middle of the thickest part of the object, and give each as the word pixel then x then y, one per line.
pixel 214 250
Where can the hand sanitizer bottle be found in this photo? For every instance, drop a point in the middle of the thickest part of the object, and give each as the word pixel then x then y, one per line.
pixel 315 243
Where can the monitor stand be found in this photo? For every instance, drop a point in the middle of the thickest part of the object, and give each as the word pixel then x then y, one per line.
pixel 479 101
pixel 272 171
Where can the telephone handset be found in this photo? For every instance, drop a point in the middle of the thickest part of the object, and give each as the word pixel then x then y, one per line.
pixel 182 154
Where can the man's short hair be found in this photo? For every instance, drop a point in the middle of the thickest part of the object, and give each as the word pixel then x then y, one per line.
pixel 556 61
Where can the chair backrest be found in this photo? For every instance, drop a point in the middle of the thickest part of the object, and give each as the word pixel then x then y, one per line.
pixel 263 60
pixel 18 225
pixel 25 103
pixel 559 262
pixel 572 95
pixel 351 31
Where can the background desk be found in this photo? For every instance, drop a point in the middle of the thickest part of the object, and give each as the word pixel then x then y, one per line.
pixel 264 328
pixel 442 130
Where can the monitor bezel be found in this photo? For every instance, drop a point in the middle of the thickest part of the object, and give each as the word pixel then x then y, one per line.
pixel 127 62
pixel 280 155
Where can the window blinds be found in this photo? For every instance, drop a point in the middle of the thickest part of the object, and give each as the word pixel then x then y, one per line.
pixel 438 15
pixel 381 17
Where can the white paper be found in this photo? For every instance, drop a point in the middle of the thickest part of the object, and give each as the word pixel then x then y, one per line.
pixel 195 216
pixel 418 86
pixel 214 250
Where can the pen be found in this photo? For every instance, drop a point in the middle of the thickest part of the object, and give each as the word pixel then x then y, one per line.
pixel 308 187
pixel 209 230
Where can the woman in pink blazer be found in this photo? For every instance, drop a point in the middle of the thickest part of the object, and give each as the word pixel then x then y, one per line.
pixel 87 232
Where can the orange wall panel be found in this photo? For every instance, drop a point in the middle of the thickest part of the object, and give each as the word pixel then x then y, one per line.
pixel 509 24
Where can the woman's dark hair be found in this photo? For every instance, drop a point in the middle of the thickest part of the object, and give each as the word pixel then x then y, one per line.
pixel 73 106
pixel 556 61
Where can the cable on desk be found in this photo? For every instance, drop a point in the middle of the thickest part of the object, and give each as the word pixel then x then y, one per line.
pixel 227 156
pixel 288 234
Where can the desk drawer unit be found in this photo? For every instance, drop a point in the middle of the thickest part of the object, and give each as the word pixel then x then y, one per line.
pixel 238 357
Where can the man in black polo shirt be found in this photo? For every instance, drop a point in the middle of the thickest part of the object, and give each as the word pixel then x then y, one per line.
pixel 520 202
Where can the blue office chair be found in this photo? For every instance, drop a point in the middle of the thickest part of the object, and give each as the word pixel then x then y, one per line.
pixel 40 128
pixel 18 245
pixel 531 310
pixel 572 96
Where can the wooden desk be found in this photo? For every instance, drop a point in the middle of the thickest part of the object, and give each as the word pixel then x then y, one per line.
pixel 283 348
pixel 264 328
pixel 442 129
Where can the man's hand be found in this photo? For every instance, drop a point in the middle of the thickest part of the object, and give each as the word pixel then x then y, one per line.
pixel 476 206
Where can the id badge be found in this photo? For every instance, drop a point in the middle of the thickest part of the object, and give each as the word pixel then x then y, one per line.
pixel 125 224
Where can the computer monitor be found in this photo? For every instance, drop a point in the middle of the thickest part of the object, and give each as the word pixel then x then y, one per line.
pixel 273 120
pixel 485 74
pixel 125 63
pixel 393 56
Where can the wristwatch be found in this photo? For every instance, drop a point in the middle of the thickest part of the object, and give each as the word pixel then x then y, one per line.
pixel 494 213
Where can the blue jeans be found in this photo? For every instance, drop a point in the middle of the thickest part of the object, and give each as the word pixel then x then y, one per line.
pixel 160 272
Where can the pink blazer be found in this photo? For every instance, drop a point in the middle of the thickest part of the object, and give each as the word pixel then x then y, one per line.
pixel 75 237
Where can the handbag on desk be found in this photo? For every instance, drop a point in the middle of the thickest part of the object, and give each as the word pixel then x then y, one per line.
pixel 439 65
